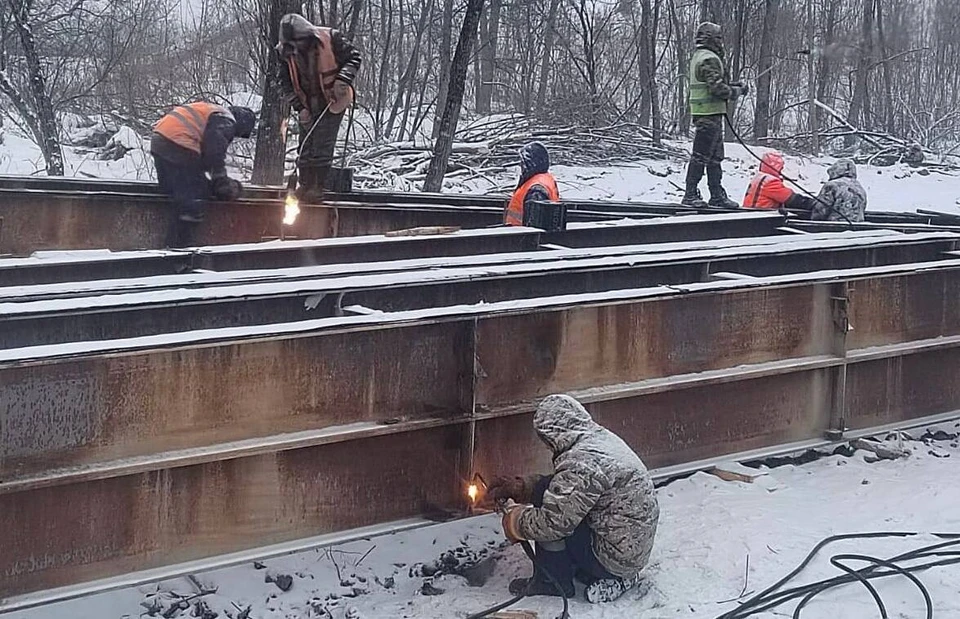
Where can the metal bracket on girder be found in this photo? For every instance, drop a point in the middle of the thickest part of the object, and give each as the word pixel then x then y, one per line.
pixel 841 314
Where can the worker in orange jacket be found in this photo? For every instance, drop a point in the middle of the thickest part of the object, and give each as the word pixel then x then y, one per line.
pixel 767 191
pixel 536 184
pixel 188 144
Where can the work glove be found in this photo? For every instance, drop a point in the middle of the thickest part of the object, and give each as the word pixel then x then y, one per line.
pixel 516 488
pixel 511 521
pixel 304 116
pixel 740 90
pixel 341 90
pixel 225 188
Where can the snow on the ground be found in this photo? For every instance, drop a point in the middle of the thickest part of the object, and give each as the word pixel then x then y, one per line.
pixel 709 531
pixel 890 188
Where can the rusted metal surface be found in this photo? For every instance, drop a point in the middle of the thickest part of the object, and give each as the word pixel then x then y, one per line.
pixel 119 406
pixel 139 521
pixel 325 297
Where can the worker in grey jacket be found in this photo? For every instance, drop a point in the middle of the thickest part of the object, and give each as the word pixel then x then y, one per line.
pixel 842 198
pixel 595 518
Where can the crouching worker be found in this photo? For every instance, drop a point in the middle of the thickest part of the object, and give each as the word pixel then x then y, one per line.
pixel 842 198
pixel 536 184
pixel 767 191
pixel 593 519
pixel 188 144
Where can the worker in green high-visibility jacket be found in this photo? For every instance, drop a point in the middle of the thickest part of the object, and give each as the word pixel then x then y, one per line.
pixel 710 91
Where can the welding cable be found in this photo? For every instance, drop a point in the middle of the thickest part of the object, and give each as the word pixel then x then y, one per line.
pixel 528 549
pixel 793 182
pixel 772 598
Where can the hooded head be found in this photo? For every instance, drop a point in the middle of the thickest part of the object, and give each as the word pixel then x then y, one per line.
pixel 772 163
pixel 244 119
pixel 710 36
pixel 560 421
pixel 842 168
pixel 294 29
pixel 534 159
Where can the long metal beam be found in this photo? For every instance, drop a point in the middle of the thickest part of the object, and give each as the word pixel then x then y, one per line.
pixel 420 286
pixel 259 441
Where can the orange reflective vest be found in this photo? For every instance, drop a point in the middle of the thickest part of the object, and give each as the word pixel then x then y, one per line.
pixel 328 68
pixel 185 124
pixel 513 216
pixel 766 191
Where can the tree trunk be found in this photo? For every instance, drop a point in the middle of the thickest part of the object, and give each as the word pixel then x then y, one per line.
pixel 451 107
pixel 647 63
pixel 761 116
pixel 656 121
pixel 45 128
pixel 446 27
pixel 268 159
pixel 488 58
pixel 859 107
pixel 812 80
pixel 549 36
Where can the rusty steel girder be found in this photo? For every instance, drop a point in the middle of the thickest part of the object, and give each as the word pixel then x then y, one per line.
pixel 193 450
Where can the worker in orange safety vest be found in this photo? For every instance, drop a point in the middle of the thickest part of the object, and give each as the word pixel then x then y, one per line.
pixel 188 144
pixel 767 191
pixel 318 83
pixel 536 183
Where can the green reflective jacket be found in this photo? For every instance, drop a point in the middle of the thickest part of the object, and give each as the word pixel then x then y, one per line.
pixel 702 101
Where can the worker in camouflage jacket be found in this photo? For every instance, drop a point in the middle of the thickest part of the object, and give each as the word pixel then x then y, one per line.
pixel 842 198
pixel 710 91
pixel 594 518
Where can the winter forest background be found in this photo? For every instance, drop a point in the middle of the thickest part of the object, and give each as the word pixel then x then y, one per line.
pixel 599 80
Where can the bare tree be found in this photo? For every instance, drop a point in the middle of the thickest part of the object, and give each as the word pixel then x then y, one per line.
pixel 451 107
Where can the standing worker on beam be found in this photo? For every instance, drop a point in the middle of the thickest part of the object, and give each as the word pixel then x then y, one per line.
pixel 536 183
pixel 189 143
pixel 709 94
pixel 318 83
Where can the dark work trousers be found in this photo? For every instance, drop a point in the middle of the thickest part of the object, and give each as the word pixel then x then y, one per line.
pixel 707 153
pixel 189 189
pixel 577 558
pixel 316 151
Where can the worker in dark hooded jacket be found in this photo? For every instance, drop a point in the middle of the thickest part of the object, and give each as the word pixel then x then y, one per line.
pixel 594 518
pixel 318 83
pixel 536 184
pixel 188 144
pixel 842 198
pixel 767 191
pixel 710 91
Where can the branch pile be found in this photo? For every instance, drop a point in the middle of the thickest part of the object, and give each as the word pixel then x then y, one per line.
pixel 487 149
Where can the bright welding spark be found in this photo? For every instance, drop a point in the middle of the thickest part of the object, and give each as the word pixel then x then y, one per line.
pixel 473 491
pixel 291 208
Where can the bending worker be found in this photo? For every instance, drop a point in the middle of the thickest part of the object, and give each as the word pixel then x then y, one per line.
pixel 318 83
pixel 188 144
pixel 767 191
pixel 709 93
pixel 594 518
pixel 536 184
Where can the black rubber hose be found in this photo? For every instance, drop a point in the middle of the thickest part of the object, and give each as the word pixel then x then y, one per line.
pixel 528 549
pixel 771 598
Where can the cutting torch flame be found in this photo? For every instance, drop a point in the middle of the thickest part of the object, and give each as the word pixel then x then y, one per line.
pixel 473 491
pixel 291 208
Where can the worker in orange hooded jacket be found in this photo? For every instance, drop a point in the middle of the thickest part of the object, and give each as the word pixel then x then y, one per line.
pixel 767 191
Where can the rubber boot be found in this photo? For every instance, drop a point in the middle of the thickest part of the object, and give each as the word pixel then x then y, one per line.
pixel 307 185
pixel 718 195
pixel 691 195
pixel 558 563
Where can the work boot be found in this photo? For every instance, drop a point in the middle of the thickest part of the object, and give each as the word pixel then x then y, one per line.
pixel 719 199
pixel 609 589
pixel 693 199
pixel 558 563
pixel 308 190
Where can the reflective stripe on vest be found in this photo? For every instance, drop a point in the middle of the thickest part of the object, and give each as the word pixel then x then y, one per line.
pixel 754 198
pixel 702 102
pixel 185 124
pixel 328 69
pixel 513 216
